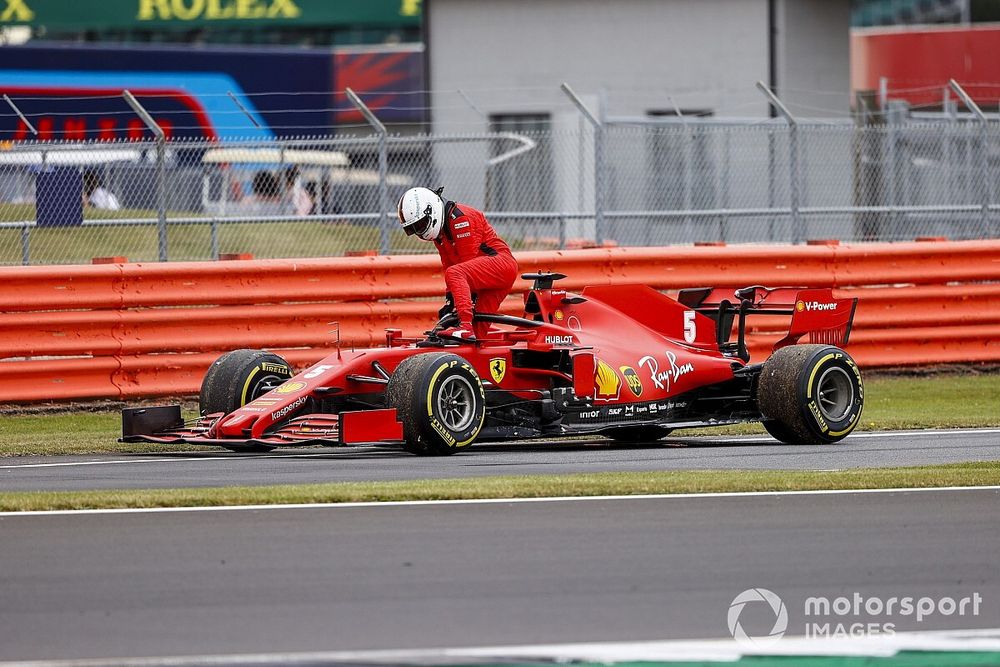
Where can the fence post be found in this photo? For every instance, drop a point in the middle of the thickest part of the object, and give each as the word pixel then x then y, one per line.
pixel 213 227
pixel 213 238
pixel 161 172
pixel 25 245
pixel 793 164
pixel 724 185
pixel 25 229
pixel 687 179
pixel 242 108
pixel 383 159
pixel 599 198
pixel 983 146
pixel 20 115
pixel 895 118
pixel 598 161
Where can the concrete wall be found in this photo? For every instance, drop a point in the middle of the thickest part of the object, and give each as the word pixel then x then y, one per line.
pixel 704 53
pixel 813 56
pixel 626 58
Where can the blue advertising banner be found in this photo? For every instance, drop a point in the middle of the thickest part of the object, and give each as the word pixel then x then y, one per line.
pixel 74 92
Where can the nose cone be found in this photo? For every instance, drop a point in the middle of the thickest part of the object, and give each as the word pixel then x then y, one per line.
pixel 236 425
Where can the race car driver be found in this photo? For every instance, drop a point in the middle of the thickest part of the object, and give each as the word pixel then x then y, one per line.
pixel 475 259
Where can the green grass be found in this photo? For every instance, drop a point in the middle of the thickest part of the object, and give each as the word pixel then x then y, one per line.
pixel 22 212
pixel 537 486
pixel 942 401
pixel 63 245
pixel 66 433
pixel 914 401
pixel 73 245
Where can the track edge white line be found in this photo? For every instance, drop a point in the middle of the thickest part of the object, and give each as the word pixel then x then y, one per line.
pixel 493 501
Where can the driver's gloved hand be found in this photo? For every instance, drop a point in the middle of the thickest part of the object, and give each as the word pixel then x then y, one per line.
pixel 448 308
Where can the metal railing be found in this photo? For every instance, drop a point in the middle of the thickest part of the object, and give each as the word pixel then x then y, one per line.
pixel 604 181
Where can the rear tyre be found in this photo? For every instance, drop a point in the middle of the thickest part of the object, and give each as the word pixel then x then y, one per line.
pixel 440 401
pixel 778 430
pixel 637 434
pixel 237 378
pixel 810 394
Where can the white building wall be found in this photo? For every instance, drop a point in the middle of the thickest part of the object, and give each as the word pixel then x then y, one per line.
pixel 813 56
pixel 700 51
pixel 509 57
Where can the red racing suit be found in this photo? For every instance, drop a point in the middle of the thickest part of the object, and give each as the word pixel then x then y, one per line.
pixel 476 261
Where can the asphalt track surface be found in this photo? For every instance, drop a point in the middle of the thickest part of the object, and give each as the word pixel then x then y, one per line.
pixel 217 467
pixel 324 578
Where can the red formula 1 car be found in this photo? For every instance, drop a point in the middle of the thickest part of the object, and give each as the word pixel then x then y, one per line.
pixel 621 361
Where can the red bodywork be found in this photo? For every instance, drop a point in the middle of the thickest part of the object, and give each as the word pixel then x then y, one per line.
pixel 625 345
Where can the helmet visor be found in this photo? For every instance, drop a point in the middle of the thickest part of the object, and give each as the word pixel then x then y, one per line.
pixel 418 227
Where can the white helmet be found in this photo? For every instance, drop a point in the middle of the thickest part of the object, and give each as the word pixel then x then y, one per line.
pixel 421 212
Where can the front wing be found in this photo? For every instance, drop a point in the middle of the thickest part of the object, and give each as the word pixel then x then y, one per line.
pixel 164 424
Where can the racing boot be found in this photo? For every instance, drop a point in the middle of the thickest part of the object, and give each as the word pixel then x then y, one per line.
pixel 462 333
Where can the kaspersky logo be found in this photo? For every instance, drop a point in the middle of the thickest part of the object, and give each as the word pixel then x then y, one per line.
pixel 814 306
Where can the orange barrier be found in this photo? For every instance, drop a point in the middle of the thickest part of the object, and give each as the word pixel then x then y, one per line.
pixel 131 330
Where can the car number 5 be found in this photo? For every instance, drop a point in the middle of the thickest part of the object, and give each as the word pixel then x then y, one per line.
pixel 689 330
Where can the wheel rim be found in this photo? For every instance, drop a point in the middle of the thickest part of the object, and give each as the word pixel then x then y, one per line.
pixel 835 394
pixel 265 384
pixel 456 403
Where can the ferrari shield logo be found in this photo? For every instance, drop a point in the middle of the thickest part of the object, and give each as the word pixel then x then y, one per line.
pixel 632 379
pixel 498 368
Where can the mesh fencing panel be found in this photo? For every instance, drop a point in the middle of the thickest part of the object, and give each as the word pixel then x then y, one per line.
pixel 554 186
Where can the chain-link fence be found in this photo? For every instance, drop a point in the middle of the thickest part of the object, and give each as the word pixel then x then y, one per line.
pixel 625 182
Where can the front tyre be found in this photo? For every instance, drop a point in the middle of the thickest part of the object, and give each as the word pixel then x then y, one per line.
pixel 440 401
pixel 237 378
pixel 810 394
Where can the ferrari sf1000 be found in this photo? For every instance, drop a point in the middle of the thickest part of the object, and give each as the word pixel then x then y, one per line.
pixel 624 361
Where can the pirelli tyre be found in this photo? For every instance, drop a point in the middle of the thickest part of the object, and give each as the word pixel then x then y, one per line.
pixel 440 401
pixel 810 394
pixel 238 377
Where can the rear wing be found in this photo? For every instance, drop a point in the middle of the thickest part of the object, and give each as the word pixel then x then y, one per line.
pixel 816 313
